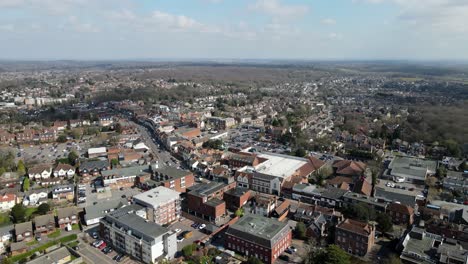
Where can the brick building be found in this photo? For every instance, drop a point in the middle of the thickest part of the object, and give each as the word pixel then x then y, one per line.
pixel 172 178
pixel 259 236
pixel 400 213
pixel 236 198
pixel 206 200
pixel 355 237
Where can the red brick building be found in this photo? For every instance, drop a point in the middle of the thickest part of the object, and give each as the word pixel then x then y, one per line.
pixel 400 213
pixel 172 178
pixel 237 197
pixel 355 237
pixel 259 236
pixel 206 200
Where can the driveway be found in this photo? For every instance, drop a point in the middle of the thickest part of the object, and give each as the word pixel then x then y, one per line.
pixel 185 225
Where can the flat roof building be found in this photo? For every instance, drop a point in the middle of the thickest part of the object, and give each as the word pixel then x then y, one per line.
pixel 162 204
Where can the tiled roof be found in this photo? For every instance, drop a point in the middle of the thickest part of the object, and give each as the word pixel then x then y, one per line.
pixel 400 208
pixel 355 227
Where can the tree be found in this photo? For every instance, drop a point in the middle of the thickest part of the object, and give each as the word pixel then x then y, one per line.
pixel 441 171
pixel 114 162
pixel 253 260
pixel 2 170
pixel 26 184
pixel 300 152
pixel 118 128
pixel 62 139
pixel 239 212
pixel 384 222
pixel 77 133
pixel 18 212
pixel 43 208
pixel 187 251
pixel 20 168
pixel 452 147
pixel 300 230
pixel 332 254
pixel 72 157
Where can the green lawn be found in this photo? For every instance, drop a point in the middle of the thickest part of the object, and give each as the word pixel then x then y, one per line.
pixel 29 212
pixel 32 243
pixel 73 244
pixel 54 234
pixel 75 227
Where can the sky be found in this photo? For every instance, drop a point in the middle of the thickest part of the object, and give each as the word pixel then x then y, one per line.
pixel 234 29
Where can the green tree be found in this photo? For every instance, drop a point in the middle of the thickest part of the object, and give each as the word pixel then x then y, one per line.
pixel 72 157
pixel 239 212
pixel 2 170
pixel 452 147
pixel 26 184
pixel 62 139
pixel 253 260
pixel 187 251
pixel 332 254
pixel 77 133
pixel 300 230
pixel 300 152
pixel 114 163
pixel 441 171
pixel 384 222
pixel 43 208
pixel 118 128
pixel 20 168
pixel 18 212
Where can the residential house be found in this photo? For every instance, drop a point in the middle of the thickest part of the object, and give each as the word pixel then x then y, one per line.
pixel 40 172
pixel 349 168
pixel 64 171
pixel 7 201
pixel 24 231
pixel 35 197
pixel 66 217
pixel 44 224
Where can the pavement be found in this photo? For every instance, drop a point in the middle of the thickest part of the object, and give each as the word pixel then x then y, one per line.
pixel 185 225
pixel 93 255
pixel 49 152
pixel 91 197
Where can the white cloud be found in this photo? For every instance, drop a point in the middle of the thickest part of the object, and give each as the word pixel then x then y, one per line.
pixel 77 26
pixel 278 10
pixel 328 21
pixel 334 36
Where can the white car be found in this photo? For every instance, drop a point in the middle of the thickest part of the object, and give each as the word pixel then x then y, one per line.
pixel 202 226
pixel 177 230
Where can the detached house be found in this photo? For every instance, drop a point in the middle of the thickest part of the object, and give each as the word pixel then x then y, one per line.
pixel 7 201
pixel 24 231
pixel 40 172
pixel 400 213
pixel 44 224
pixel 64 170
pixel 355 237
pixel 66 217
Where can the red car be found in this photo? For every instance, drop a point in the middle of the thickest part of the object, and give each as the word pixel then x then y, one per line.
pixel 103 245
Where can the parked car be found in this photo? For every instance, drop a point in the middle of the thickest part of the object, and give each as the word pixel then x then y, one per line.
pixel 177 230
pixel 107 250
pixel 94 235
pixel 97 243
pixel 284 257
pixel 202 226
pixel 180 238
pixel 120 257
pixel 102 246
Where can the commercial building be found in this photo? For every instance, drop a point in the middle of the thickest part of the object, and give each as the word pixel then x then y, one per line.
pixel 409 169
pixel 127 231
pixel 206 200
pixel 162 204
pixel 259 236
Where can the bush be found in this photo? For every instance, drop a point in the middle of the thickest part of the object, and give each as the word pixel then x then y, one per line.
pixel 187 251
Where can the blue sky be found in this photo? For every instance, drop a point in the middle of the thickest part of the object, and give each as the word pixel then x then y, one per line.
pixel 238 29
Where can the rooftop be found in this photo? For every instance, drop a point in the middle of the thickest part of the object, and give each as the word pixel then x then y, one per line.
pixel 157 196
pixel 279 165
pixel 258 229
pixel 203 190
pixel 126 220
pixel 129 171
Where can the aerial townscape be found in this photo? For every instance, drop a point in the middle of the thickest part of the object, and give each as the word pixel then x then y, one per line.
pixel 127 135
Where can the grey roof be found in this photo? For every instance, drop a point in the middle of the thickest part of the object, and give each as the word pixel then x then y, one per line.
pixel 333 193
pixel 126 218
pixel 100 209
pixel 93 164
pixel 66 212
pixel 42 220
pixel 129 171
pixel 238 191
pixel 394 197
pixel 203 190
pixel 413 173
pixel 18 246
pixel 214 202
pixel 52 257
pixel 23 227
pixel 172 173
pixel 259 229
